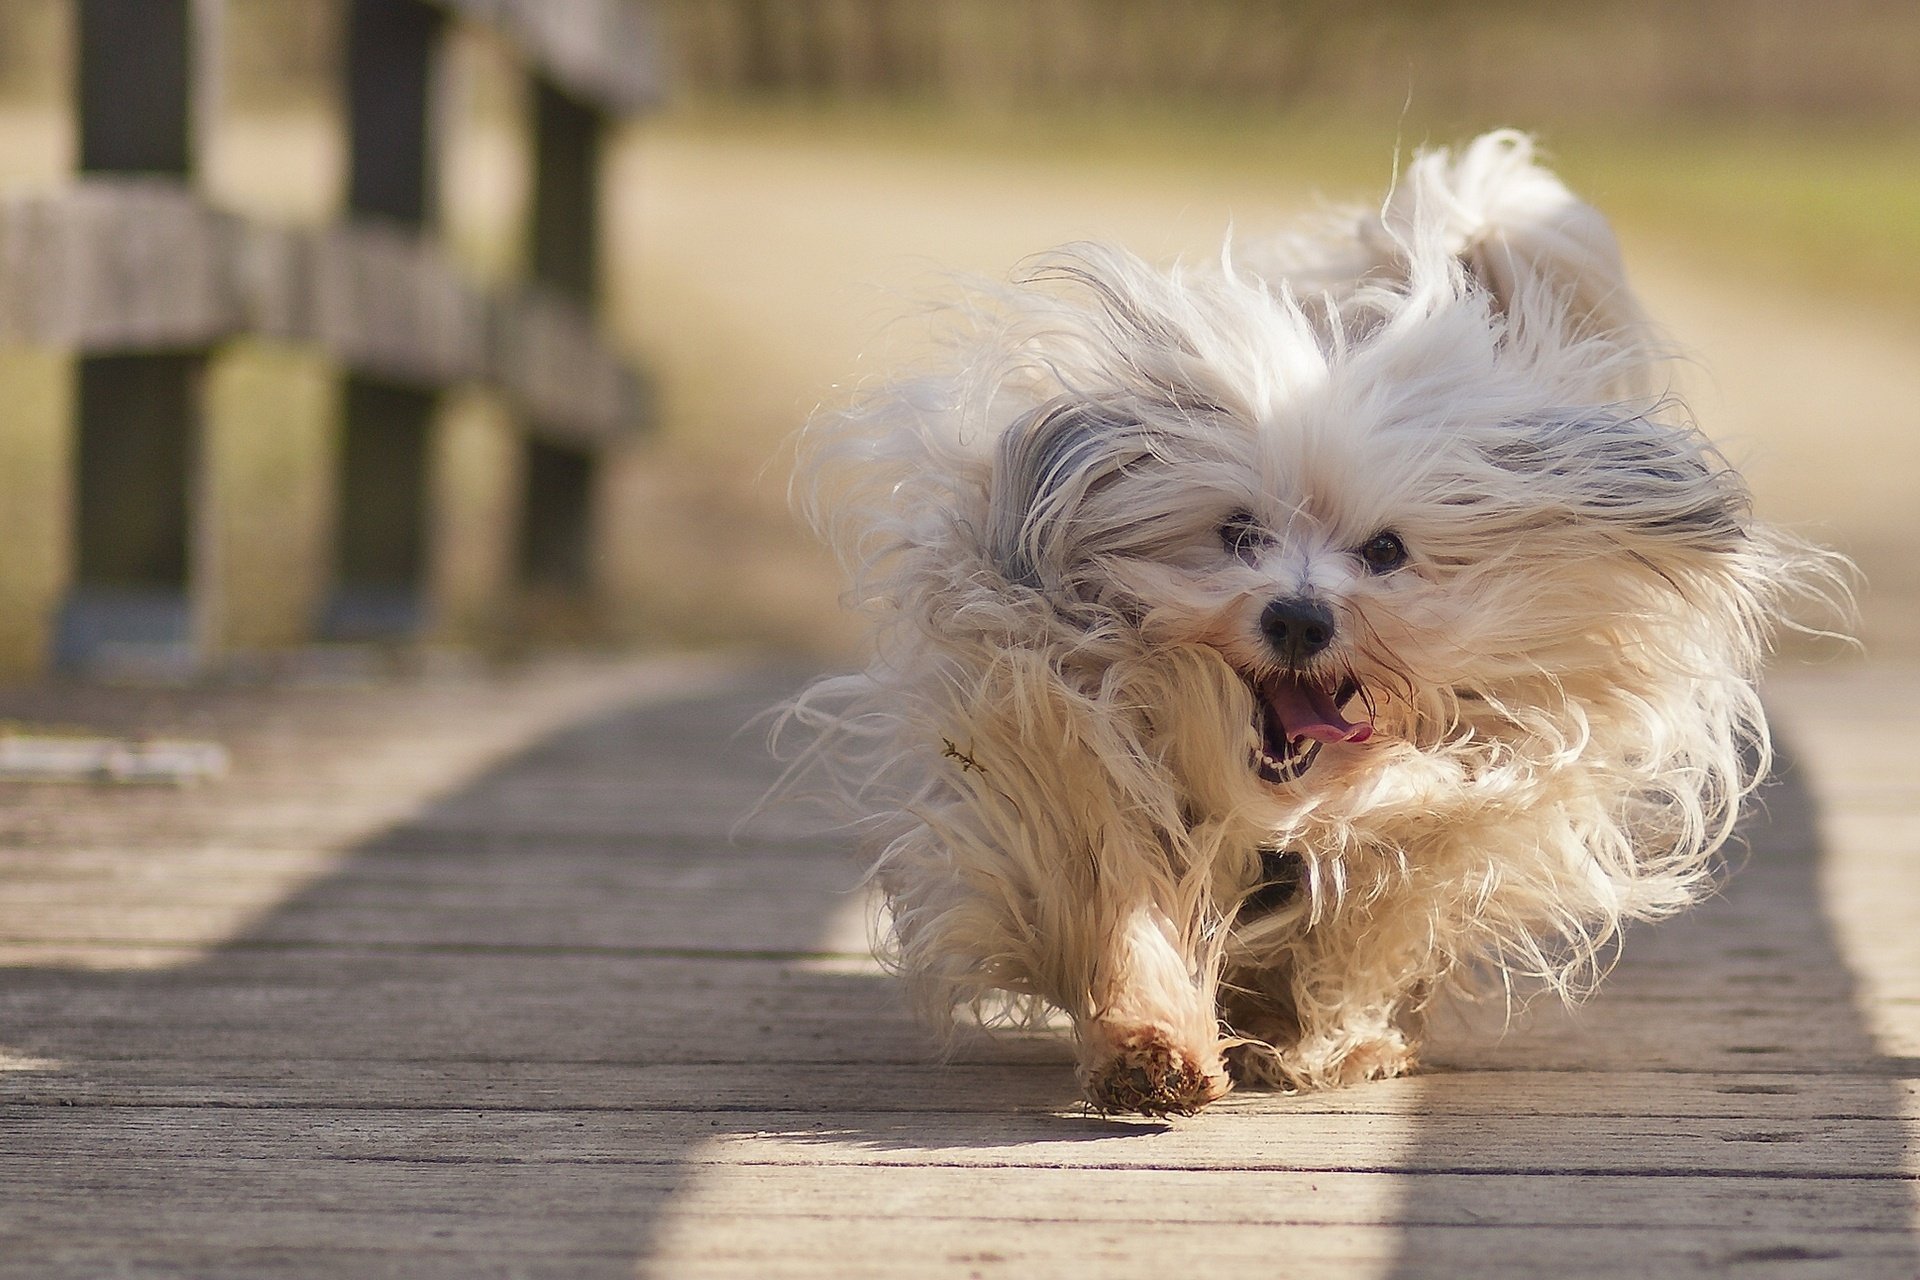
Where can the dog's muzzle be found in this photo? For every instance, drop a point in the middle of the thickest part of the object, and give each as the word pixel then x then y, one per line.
pixel 1297 710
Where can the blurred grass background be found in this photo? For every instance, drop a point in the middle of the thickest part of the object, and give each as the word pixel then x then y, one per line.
pixel 820 163
pixel 825 160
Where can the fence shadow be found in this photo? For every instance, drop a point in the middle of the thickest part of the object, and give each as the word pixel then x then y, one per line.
pixel 489 1042
pixel 1725 1077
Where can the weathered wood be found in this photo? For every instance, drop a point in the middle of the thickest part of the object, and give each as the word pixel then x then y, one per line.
pixel 603 51
pixel 117 264
pixel 556 537
pixel 565 225
pixel 380 540
pixel 387 302
pixel 114 264
pixel 135 85
pixel 389 50
pixel 848 1249
pixel 368 993
pixel 932 1222
pixel 466 980
pixel 138 454
pixel 1027 1079
pixel 545 355
pixel 1236 1138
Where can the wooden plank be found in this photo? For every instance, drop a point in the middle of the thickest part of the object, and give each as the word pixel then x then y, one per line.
pixel 1147 1249
pixel 1275 1198
pixel 728 897
pixel 861 1221
pixel 709 917
pixel 116 263
pixel 391 166
pixel 711 874
pixel 603 51
pixel 565 232
pixel 1232 1138
pixel 386 302
pixel 698 997
pixel 427 859
pixel 573 387
pixel 381 525
pixel 660 807
pixel 553 554
pixel 139 446
pixel 1036 1084
pixel 134 83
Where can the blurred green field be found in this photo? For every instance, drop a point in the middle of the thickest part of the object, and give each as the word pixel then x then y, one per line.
pixel 1832 208
pixel 770 248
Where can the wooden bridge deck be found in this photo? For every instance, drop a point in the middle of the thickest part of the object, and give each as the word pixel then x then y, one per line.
pixel 464 978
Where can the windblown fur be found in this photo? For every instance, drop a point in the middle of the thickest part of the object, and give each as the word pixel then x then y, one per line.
pixel 1261 650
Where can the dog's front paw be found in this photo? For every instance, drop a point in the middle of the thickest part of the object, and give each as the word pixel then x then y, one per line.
pixel 1145 1070
pixel 1324 1064
pixel 1380 1059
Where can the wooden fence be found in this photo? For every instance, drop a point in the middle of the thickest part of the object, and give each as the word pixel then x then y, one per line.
pixel 232 431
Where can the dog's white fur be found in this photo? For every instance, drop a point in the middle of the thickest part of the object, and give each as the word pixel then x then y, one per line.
pixel 1066 535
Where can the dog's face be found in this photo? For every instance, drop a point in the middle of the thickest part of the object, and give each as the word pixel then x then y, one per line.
pixel 1407 521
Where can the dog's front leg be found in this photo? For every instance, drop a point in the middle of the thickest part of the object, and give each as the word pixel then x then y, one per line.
pixel 1150 1041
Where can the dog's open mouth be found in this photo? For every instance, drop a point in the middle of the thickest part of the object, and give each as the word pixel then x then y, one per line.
pixel 1294 716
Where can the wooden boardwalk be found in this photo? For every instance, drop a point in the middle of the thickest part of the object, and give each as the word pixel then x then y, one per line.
pixel 464 977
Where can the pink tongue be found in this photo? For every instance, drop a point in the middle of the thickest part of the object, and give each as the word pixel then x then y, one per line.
pixel 1307 711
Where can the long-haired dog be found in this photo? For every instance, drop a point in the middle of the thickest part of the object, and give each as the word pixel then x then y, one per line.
pixel 1263 650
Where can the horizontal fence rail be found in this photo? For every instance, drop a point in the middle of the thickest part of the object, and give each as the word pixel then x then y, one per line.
pixel 128 263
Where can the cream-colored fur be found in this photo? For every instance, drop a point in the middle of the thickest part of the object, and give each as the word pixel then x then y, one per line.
pixel 1069 531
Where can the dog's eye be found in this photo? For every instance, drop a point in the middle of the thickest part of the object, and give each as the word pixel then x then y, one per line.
pixel 1383 552
pixel 1242 535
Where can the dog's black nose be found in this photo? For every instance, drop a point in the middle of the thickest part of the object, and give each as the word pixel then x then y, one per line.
pixel 1297 627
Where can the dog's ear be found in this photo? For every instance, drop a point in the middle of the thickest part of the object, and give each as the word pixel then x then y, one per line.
pixel 1648 485
pixel 1045 464
pixel 1521 235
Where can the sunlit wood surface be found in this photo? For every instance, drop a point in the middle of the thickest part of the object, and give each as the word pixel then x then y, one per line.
pixel 472 976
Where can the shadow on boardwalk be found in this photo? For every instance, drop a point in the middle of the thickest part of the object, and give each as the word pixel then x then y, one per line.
pixel 501 1037
pixel 480 1046
pixel 1753 982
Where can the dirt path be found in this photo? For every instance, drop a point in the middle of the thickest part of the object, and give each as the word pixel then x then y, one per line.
pixel 765 270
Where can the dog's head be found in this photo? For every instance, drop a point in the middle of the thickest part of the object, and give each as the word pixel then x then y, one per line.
pixel 1440 497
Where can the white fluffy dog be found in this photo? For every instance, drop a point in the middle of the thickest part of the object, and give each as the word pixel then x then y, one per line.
pixel 1263 650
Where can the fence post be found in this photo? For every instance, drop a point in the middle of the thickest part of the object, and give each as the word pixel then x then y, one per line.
pixel 555 558
pixel 137 567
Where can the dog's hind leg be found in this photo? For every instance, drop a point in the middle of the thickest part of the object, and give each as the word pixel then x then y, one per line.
pixel 1318 1028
